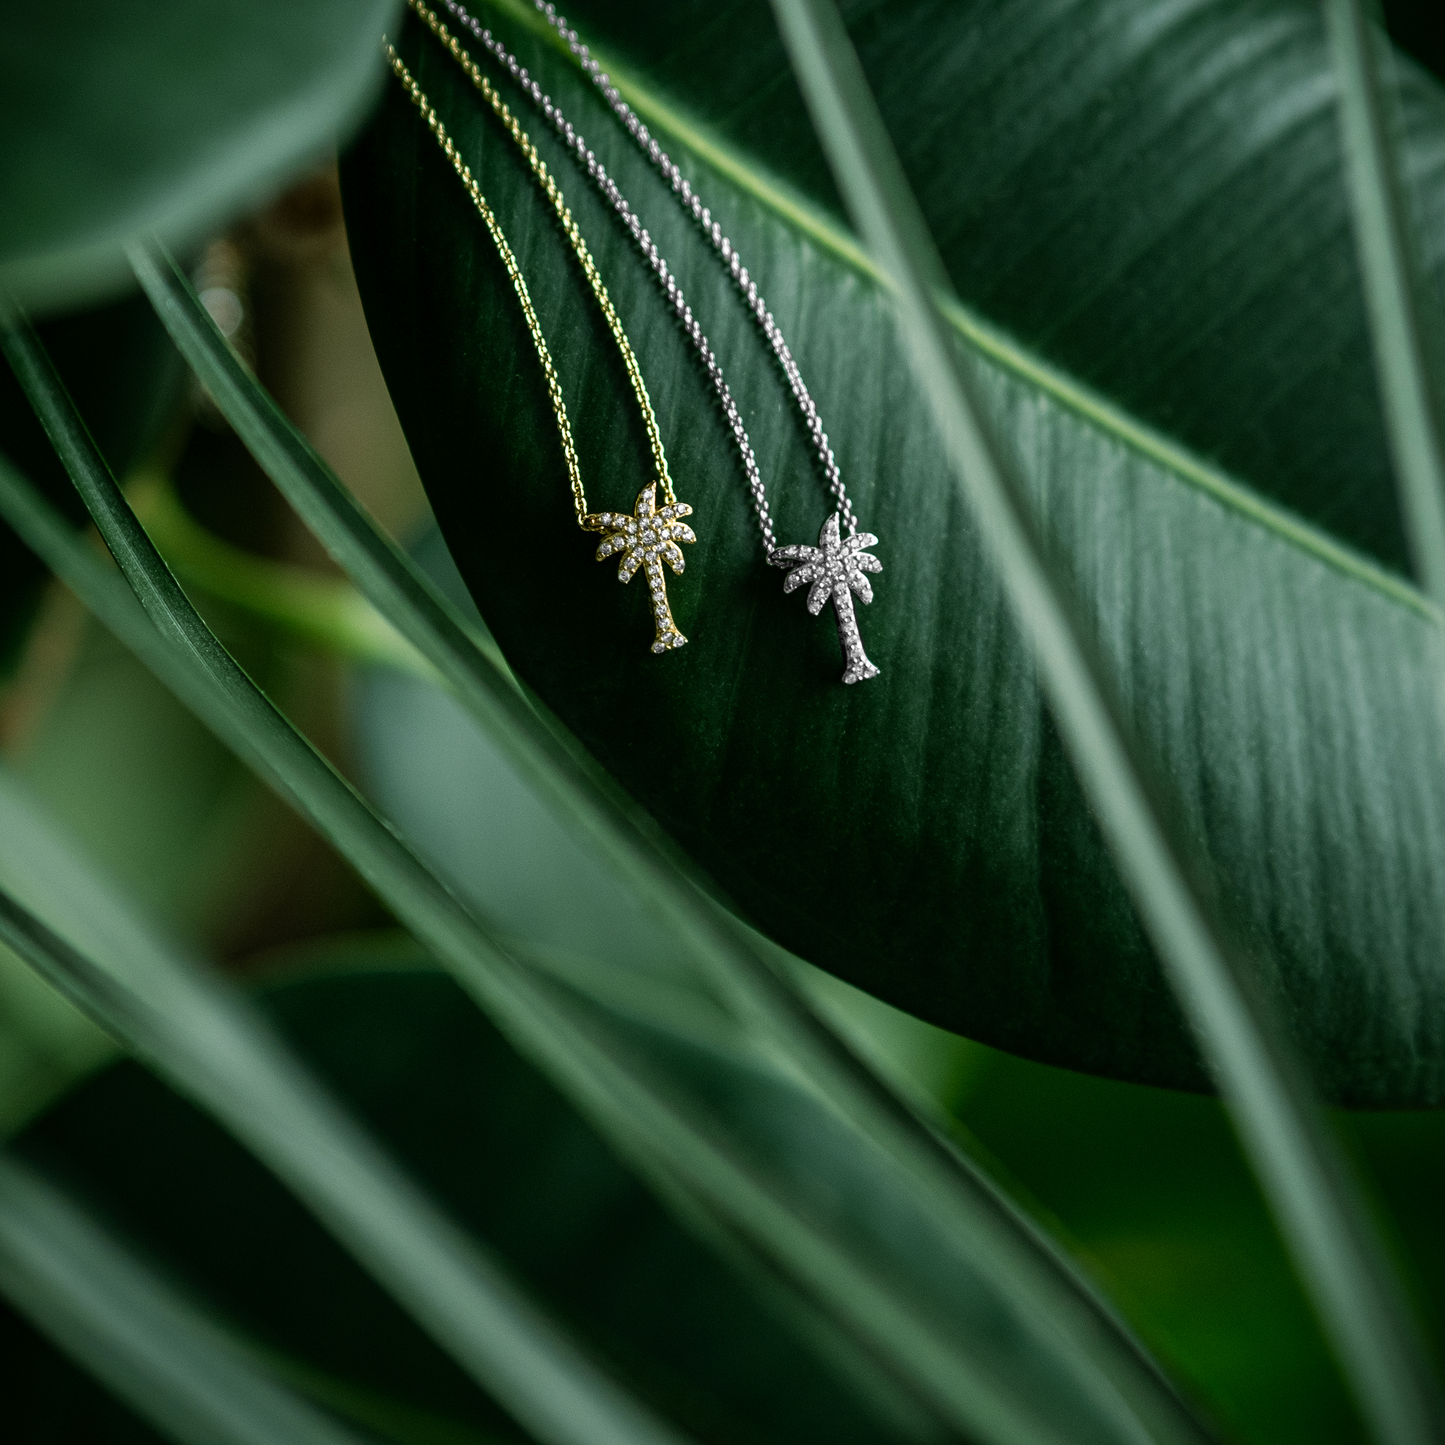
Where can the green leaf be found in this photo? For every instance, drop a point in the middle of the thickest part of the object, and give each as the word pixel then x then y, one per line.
pixel 209 1044
pixel 656 1124
pixel 951 864
pixel 1318 1204
pixel 117 365
pixel 665 1130
pixel 121 121
pixel 155 1349
pixel 1398 301
pixel 542 1188
pixel 398 1040
pixel 1148 201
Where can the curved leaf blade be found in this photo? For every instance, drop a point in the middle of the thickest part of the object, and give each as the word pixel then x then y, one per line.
pixel 214 1047
pixel 167 1359
pixel 1390 270
pixel 1109 1375
pixel 1358 1301
pixel 982 1221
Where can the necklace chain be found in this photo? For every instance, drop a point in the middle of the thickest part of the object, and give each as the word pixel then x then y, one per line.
pixel 724 248
pixel 514 271
pixel 574 237
pixel 692 328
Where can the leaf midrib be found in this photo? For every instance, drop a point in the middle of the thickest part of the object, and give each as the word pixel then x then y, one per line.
pixel 811 222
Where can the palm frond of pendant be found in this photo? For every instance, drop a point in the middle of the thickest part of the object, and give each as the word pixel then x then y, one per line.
pixel 646 538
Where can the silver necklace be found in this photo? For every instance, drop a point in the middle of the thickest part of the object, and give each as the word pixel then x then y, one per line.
pixel 837 567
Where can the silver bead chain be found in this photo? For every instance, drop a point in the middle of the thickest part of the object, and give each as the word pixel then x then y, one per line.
pixel 729 254
pixel 690 324
pixel 725 249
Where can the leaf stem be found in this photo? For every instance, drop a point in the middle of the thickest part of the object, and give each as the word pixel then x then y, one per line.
pixel 1283 1131
pixel 325 611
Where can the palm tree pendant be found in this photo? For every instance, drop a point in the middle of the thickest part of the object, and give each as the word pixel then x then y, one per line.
pixel 647 538
pixel 835 568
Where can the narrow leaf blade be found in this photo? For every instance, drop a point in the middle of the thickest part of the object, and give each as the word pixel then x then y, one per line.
pixel 1327 1227
pixel 981 1221
pixel 160 1353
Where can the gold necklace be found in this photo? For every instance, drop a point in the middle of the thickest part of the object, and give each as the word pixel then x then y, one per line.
pixel 649 535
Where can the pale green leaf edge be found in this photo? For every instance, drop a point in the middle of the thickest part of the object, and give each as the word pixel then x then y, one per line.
pixel 170 1361
pixel 811 221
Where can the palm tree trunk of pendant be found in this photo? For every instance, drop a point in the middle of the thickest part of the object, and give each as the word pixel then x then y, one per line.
pixel 667 634
pixel 857 666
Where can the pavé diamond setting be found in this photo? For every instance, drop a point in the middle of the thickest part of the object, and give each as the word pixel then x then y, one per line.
pixel 647 538
pixel 837 568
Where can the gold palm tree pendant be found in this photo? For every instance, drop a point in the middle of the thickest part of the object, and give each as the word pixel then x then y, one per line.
pixel 647 538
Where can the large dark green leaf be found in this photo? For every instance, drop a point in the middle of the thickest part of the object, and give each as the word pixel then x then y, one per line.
pixel 922 834
pixel 121 118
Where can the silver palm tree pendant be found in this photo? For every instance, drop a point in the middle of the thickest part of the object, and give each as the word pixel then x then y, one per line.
pixel 835 567
pixel 647 538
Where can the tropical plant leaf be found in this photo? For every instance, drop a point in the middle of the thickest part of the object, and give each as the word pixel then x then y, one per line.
pixel 155 1349
pixel 1317 1201
pixel 119 122
pixel 939 804
pixel 980 1220
pixel 399 1041
pixel 214 1048
pixel 117 365
pixel 665 1130
pixel 1151 201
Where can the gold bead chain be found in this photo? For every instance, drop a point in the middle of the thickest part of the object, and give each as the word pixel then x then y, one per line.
pixel 514 271
pixel 570 230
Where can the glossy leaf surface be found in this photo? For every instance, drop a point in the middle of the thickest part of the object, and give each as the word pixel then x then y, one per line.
pixel 922 834
pixel 121 119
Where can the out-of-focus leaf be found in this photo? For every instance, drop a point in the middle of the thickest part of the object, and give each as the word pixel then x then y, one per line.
pixel 1242 1033
pixel 1401 300
pixel 120 120
pixel 1150 1188
pixel 121 369
pixel 536 1182
pixel 950 864
pixel 1096 1369
pixel 453 792
pixel 128 1326
pixel 214 1047
pixel 659 1126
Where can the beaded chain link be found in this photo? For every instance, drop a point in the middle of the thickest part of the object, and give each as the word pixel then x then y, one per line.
pixel 514 271
pixel 692 328
pixel 724 248
pixel 569 229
